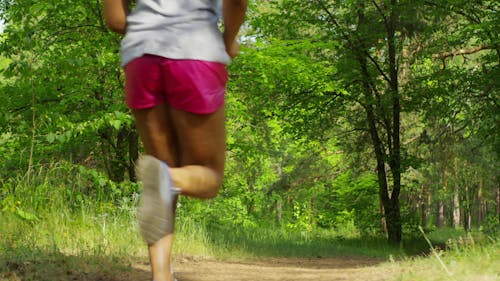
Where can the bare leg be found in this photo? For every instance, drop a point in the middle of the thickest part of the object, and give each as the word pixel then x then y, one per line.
pixel 156 133
pixel 202 146
pixel 194 147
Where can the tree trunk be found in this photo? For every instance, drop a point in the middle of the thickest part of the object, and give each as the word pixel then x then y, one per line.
pixel 467 211
pixel 278 212
pixel 393 212
pixel 456 208
pixel 390 204
pixel 480 202
pixel 394 231
pixel 425 205
pixel 441 219
pixel 497 202
pixel 456 219
pixel 133 154
pixel 468 221
pixel 383 220
pixel 373 105
pixel 441 211
pixel 118 162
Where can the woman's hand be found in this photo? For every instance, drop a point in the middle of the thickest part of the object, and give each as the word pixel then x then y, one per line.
pixel 115 13
pixel 233 14
pixel 232 47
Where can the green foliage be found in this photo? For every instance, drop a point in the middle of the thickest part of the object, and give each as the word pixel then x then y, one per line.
pixel 491 226
pixel 62 87
pixel 300 157
pixel 446 53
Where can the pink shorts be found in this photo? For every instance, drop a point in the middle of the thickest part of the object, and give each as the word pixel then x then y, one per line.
pixel 189 85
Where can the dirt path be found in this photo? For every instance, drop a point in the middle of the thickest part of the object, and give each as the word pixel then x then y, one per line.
pixel 327 269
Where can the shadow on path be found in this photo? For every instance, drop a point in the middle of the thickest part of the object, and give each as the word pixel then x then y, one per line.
pixel 29 264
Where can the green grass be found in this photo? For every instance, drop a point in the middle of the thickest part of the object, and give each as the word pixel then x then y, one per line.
pixel 80 244
pixel 84 244
pixel 473 262
pixel 69 230
pixel 276 242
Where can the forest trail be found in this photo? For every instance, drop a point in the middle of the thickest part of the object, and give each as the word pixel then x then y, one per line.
pixel 319 269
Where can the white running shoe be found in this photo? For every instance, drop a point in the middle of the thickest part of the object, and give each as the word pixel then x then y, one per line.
pixel 156 208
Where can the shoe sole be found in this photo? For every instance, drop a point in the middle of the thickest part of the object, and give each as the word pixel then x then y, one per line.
pixel 155 212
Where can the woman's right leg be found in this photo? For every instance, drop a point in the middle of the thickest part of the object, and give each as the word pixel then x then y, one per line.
pixel 201 150
pixel 193 145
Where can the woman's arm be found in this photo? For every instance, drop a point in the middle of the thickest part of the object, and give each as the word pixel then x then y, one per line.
pixel 115 13
pixel 233 13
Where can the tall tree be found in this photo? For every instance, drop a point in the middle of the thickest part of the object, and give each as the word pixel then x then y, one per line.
pixel 375 50
pixel 364 41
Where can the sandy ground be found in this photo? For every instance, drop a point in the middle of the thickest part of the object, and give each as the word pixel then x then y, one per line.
pixel 203 269
pixel 327 269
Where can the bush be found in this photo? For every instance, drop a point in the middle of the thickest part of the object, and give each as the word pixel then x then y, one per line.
pixel 491 225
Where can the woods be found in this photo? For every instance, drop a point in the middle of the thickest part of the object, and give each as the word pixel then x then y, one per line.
pixel 372 116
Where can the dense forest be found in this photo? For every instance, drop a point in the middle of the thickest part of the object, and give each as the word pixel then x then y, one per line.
pixel 378 116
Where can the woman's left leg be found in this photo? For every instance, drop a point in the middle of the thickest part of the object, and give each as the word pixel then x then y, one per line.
pixel 156 132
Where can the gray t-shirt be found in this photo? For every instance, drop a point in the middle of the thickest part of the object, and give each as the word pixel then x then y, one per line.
pixel 176 29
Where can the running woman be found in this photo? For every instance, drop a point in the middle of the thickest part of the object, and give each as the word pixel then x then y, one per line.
pixel 175 57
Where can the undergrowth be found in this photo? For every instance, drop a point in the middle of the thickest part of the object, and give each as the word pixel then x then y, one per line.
pixel 83 226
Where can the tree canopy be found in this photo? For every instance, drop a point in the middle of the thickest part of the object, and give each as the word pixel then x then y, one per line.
pixel 381 115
